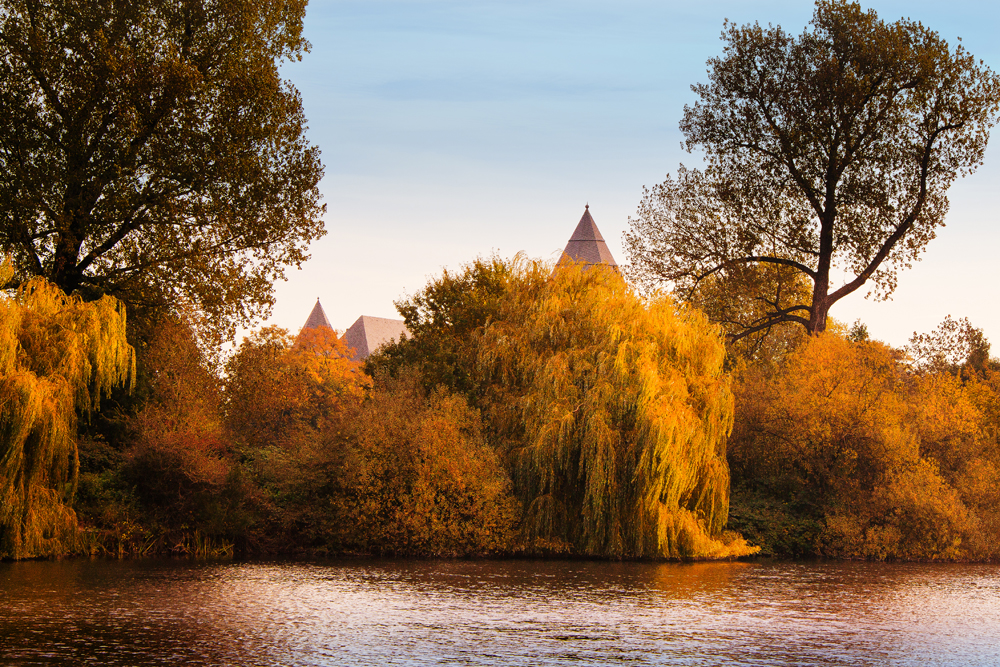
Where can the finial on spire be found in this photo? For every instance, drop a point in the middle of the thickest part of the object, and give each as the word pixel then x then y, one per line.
pixel 587 206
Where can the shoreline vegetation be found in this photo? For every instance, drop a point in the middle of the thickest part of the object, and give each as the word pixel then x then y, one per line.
pixel 533 413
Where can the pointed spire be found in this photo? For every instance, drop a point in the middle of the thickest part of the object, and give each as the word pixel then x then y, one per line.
pixel 587 245
pixel 317 318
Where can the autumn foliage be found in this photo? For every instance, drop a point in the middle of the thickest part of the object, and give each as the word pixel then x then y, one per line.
pixel 347 467
pixel 178 462
pixel 58 355
pixel 279 385
pixel 533 411
pixel 610 412
pixel 614 412
pixel 873 459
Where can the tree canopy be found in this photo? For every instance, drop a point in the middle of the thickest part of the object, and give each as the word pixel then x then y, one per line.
pixel 872 459
pixel 614 412
pixel 829 151
pixel 151 150
pixel 278 383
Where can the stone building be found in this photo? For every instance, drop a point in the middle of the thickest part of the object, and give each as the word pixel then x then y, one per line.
pixel 369 333
pixel 365 336
pixel 317 318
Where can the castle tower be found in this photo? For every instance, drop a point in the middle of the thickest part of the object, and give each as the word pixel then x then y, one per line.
pixel 587 245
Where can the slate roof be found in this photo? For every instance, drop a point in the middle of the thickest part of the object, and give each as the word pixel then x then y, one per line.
pixel 317 318
pixel 369 333
pixel 587 244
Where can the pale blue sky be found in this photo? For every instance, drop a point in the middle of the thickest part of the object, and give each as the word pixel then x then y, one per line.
pixel 454 129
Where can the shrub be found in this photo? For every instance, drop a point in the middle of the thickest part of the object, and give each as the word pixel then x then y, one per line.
pixel 890 463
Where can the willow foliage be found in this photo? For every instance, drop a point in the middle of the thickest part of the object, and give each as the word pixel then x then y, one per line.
pixel 58 354
pixel 614 411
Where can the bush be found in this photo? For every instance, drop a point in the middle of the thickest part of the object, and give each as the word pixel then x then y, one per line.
pixel 891 464
pixel 407 473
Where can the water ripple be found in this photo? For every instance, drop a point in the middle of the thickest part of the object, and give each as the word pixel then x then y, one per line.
pixel 498 613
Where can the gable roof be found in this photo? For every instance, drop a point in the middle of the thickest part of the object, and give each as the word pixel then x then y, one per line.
pixel 317 318
pixel 369 333
pixel 587 245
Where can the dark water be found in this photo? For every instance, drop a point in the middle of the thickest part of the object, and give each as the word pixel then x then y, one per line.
pixel 497 613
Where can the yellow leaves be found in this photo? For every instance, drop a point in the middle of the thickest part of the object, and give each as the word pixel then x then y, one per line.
pixel 624 409
pixel 410 473
pixel 58 354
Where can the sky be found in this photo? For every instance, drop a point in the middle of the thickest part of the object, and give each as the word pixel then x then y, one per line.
pixel 451 130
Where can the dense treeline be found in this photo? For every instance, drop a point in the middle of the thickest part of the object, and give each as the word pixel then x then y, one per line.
pixel 531 412
pixel 610 412
pixel 849 448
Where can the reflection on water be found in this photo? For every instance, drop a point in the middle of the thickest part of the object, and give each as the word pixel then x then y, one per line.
pixel 498 613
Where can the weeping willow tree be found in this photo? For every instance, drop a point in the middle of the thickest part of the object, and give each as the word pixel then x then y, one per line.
pixel 58 354
pixel 614 411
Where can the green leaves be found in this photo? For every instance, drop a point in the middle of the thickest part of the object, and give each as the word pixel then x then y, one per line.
pixel 835 148
pixel 153 152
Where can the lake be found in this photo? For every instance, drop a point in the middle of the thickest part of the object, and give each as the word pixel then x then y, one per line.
pixel 520 612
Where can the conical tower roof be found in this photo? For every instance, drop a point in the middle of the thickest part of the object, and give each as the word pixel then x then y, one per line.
pixel 317 318
pixel 587 244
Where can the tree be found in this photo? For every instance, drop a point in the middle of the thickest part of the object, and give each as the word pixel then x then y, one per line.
pixel 58 355
pixel 863 458
pixel 444 320
pixel 412 474
pixel 613 412
pixel 151 151
pixel 737 303
pixel 178 460
pixel 278 385
pixel 954 346
pixel 834 149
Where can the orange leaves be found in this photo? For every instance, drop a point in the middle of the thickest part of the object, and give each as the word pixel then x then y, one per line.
pixel 277 384
pixel 331 374
pixel 431 484
pixel 894 464
pixel 178 451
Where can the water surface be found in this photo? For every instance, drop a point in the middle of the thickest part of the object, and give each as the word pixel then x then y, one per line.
pixel 497 613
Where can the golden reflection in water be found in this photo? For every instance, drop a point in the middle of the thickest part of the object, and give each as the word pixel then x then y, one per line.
pixel 686 580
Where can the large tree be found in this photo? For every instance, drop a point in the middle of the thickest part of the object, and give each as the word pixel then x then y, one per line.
pixel 151 150
pixel 831 151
